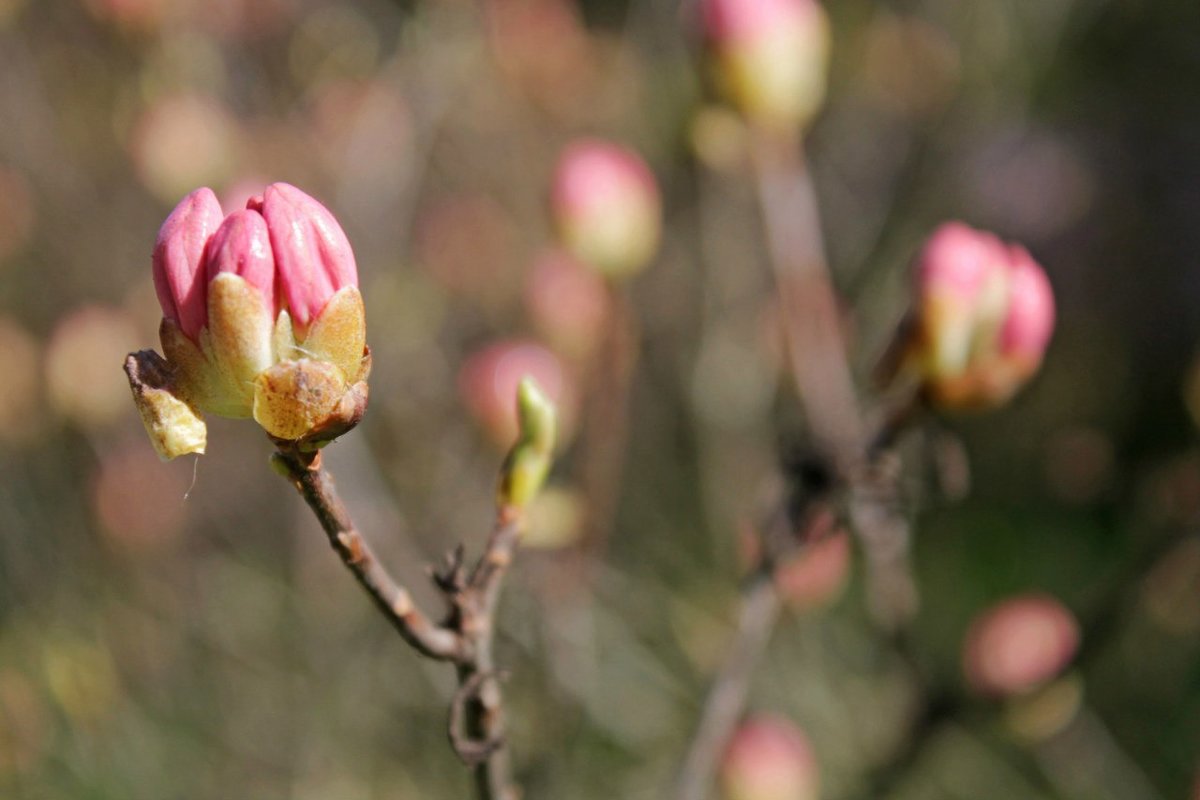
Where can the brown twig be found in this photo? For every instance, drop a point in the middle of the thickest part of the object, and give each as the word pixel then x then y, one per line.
pixel 392 599
pixel 477 725
pixel 484 707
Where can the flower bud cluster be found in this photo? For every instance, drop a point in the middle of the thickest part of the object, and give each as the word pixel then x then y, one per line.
pixel 770 57
pixel 262 318
pixel 983 317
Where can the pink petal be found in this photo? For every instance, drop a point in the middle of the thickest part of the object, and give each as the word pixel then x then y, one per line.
pixel 594 176
pixel 312 255
pixel 242 246
pixel 178 257
pixel 1031 314
pixel 957 260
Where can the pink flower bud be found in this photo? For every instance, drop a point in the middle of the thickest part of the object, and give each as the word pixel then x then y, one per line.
pixel 1019 645
pixel 771 56
pixel 983 317
pixel 567 303
pixel 957 261
pixel 242 246
pixel 179 280
pixel 606 206
pixel 312 254
pixel 769 758
pixel 1030 318
pixel 230 347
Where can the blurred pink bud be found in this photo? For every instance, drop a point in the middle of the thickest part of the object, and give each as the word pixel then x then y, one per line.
pixel 312 253
pixel 488 384
pixel 606 206
pixel 242 246
pixel 179 280
pixel 567 302
pixel 982 320
pixel 771 56
pixel 1019 644
pixel 1030 318
pixel 957 261
pixel 817 575
pixel 769 758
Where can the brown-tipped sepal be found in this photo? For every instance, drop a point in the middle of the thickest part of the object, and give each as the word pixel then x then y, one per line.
pixel 529 461
pixel 309 403
pixel 339 334
pixel 174 427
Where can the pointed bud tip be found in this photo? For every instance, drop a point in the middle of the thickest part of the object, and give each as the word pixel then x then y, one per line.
pixel 178 259
pixel 313 257
pixel 537 416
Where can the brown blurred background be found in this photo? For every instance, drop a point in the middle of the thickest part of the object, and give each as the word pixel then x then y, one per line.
pixel 182 631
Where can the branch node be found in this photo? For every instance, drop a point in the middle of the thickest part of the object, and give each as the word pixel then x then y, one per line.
pixel 472 751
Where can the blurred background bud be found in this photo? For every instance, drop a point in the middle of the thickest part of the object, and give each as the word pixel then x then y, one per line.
pixel 606 207
pixel 488 381
pixel 567 303
pixel 817 576
pixel 983 318
pixel 20 383
pixel 138 501
pixel 1019 644
pixel 1171 590
pixel 17 213
pixel 182 141
pixel 771 57
pixel 769 758
pixel 83 364
pixel 556 519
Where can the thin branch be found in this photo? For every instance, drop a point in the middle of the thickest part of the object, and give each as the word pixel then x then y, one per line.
pixel 478 679
pixel 477 727
pixel 606 430
pixel 317 488
pixel 823 376
pixel 727 694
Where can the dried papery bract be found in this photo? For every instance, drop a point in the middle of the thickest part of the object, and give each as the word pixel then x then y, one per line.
pixel 262 318
pixel 770 58
pixel 769 758
pixel 606 207
pixel 982 317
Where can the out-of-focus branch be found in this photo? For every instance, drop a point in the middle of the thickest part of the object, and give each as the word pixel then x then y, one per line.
pixel 850 457
pixel 810 308
pixel 727 694
pixel 823 376
pixel 606 431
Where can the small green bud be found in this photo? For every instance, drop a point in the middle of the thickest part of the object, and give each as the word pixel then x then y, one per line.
pixel 529 461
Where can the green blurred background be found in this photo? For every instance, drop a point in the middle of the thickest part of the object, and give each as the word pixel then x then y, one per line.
pixel 182 631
